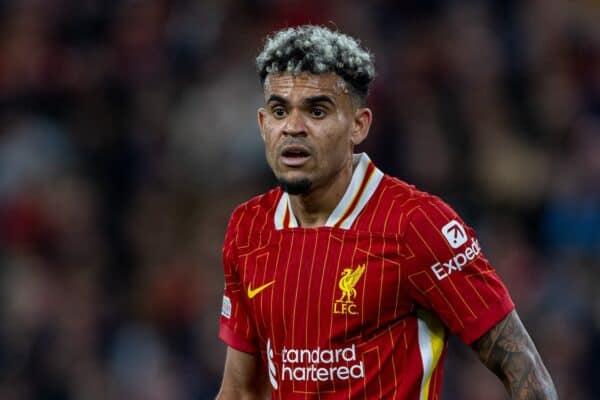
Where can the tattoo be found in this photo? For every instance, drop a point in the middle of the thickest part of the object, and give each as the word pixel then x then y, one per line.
pixel 508 351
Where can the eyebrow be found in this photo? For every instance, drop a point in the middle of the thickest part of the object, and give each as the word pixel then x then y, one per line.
pixel 308 100
pixel 319 99
pixel 276 98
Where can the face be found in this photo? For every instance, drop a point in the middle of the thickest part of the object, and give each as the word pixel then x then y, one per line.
pixel 310 125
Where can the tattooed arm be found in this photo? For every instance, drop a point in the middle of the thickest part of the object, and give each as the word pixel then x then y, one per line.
pixel 508 351
pixel 244 377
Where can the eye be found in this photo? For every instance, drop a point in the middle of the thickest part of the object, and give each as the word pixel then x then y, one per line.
pixel 279 111
pixel 318 112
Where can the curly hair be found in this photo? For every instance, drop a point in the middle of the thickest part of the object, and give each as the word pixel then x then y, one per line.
pixel 318 50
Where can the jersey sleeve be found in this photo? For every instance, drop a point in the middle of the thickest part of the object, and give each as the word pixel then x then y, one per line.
pixel 449 274
pixel 236 328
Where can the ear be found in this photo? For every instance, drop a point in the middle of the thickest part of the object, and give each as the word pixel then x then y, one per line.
pixel 261 122
pixel 361 125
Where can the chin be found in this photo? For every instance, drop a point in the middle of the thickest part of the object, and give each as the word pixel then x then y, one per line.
pixel 295 186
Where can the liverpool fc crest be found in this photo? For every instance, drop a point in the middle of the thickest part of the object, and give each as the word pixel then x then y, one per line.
pixel 345 304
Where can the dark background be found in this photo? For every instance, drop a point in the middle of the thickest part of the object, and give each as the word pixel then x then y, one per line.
pixel 128 134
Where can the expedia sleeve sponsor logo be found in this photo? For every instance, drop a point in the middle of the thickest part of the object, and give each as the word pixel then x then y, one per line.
pixel 455 234
pixel 314 365
pixel 456 263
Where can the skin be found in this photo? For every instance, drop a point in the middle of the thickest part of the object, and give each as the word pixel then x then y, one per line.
pixel 317 114
pixel 508 351
pixel 244 377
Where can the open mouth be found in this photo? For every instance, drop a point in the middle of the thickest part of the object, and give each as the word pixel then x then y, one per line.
pixel 294 156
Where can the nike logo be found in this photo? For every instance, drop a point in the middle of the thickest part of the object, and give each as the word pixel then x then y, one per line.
pixel 254 292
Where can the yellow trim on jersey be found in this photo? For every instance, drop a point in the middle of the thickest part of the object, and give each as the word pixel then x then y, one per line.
pixel 431 345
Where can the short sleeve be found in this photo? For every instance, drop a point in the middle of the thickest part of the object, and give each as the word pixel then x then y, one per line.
pixel 236 327
pixel 449 274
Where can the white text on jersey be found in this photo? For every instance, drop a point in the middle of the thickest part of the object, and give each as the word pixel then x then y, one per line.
pixel 456 263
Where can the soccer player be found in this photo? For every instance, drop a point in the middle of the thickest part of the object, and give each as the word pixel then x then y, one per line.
pixel 344 282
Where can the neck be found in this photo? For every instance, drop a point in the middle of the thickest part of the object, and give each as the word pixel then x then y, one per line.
pixel 314 208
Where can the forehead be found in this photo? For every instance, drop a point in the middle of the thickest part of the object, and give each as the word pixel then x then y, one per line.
pixel 304 84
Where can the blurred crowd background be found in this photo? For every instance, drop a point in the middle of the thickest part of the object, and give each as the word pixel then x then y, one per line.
pixel 128 134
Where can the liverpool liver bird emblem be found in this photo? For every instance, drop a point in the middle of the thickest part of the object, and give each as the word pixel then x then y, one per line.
pixel 348 281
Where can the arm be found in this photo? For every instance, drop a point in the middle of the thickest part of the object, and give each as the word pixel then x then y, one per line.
pixel 244 377
pixel 508 351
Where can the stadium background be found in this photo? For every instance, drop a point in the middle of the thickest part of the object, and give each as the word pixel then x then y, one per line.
pixel 128 134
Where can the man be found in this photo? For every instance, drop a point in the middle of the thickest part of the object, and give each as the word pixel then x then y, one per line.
pixel 344 282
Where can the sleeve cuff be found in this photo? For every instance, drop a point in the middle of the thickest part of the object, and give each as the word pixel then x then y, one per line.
pixel 477 328
pixel 227 335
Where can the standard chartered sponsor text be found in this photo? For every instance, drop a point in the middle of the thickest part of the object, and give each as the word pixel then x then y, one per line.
pixel 321 364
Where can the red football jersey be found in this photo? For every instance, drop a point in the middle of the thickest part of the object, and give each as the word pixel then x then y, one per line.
pixel 362 307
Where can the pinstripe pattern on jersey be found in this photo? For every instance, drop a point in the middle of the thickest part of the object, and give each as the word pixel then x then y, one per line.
pixel 396 233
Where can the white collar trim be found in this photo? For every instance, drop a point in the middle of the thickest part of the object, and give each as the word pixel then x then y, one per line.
pixel 365 180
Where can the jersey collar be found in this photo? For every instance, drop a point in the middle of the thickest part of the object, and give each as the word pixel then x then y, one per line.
pixel 364 182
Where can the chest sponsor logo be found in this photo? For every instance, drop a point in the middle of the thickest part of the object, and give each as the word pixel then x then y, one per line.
pixel 253 292
pixel 345 304
pixel 456 263
pixel 455 234
pixel 313 365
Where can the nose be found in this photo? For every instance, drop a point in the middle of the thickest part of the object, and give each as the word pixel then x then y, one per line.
pixel 294 124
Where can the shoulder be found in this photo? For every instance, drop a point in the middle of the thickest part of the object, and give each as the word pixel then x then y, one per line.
pixel 407 204
pixel 256 211
pixel 432 229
